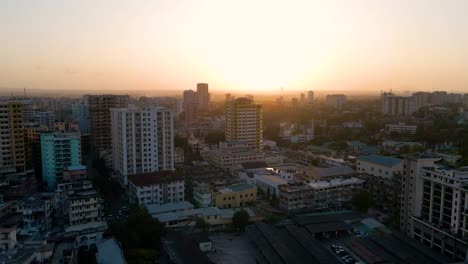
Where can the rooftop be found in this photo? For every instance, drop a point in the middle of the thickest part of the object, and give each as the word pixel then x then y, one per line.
pixel 108 251
pixel 254 165
pixel 331 172
pixel 168 207
pixel 153 178
pixel 381 160
pixel 240 187
pixel 334 183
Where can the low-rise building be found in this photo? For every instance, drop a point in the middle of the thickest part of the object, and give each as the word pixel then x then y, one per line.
pixel 379 166
pixel 156 187
pixel 231 156
pixel 269 183
pixel 38 210
pixel 401 128
pixel 233 196
pixel 203 194
pixel 296 196
pixel 334 193
pixel 84 207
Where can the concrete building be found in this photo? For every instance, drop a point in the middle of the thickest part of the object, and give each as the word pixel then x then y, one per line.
pixel 12 151
pixel 156 188
pixel 38 210
pixel 401 128
pixel 142 141
pixel 228 157
pixel 179 155
pixel 190 106
pixel 310 97
pixel 393 105
pixel 80 113
pixel 100 117
pixel 203 194
pixel 336 100
pixel 85 207
pixel 203 96
pixel 233 196
pixel 45 118
pixel 58 150
pixel 244 122
pixel 268 183
pixel 334 193
pixel 296 196
pixel 379 166
pixel 440 219
pixel 412 187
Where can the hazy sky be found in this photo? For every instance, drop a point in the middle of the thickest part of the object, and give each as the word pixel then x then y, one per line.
pixel 232 45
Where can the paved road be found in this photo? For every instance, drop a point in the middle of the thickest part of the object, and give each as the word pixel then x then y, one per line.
pixel 114 195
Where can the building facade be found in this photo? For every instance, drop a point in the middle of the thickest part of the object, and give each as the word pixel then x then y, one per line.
pixel 244 122
pixel 142 141
pixel 236 195
pixel 156 188
pixel 100 117
pixel 58 150
pixel 12 151
pixel 336 100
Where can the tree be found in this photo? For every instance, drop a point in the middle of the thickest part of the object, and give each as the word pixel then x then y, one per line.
pixel 240 220
pixel 139 233
pixel 200 223
pixel 362 200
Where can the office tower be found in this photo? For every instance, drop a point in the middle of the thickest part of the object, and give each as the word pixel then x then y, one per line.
pixel 203 96
pixel 310 97
pixel 99 111
pixel 12 152
pixel 336 100
pixel 244 122
pixel 397 105
pixel 142 141
pixel 302 98
pixel 438 97
pixel 58 150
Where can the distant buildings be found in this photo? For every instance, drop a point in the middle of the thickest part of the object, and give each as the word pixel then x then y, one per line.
pixel 194 102
pixel 336 100
pixel 244 123
pixel 142 141
pixel 100 117
pixel 203 96
pixel 401 128
pixel 58 150
pixel 156 188
pixel 310 97
pixel 397 105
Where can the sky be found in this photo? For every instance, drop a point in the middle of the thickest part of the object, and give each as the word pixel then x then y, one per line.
pixel 242 45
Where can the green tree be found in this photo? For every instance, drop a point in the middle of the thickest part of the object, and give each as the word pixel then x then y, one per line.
pixel 240 220
pixel 200 223
pixel 362 200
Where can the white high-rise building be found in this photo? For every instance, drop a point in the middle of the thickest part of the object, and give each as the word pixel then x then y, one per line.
pixel 397 105
pixel 142 140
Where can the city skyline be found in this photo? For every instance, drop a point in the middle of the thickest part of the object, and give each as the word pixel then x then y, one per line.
pixel 235 47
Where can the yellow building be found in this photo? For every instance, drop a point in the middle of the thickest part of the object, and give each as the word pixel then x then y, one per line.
pixel 244 122
pixel 12 139
pixel 237 195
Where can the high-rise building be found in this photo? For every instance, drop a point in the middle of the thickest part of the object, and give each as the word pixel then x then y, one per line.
pixel 142 141
pixel 190 105
pixel 244 122
pixel 435 205
pixel 44 118
pixel 302 98
pixel 229 97
pixel 421 99
pixel 80 113
pixel 397 105
pixel 336 100
pixel 310 97
pixel 203 96
pixel 12 152
pixel 58 150
pixel 99 110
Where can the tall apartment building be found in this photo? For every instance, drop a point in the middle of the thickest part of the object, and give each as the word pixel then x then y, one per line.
pixel 203 96
pixel 12 152
pixel 244 122
pixel 435 202
pixel 99 111
pixel 58 150
pixel 336 100
pixel 397 105
pixel 310 97
pixel 85 206
pixel 142 141
pixel 80 113
pixel 190 106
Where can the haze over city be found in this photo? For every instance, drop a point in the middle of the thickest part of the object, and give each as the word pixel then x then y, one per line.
pixel 236 46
